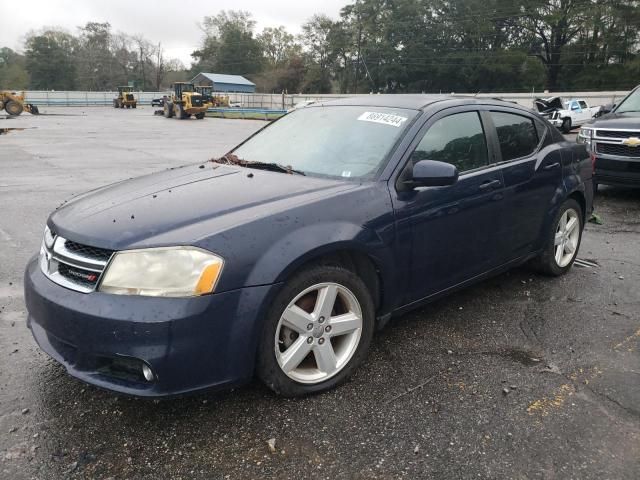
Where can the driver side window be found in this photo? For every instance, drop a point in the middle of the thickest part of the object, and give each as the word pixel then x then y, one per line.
pixel 457 139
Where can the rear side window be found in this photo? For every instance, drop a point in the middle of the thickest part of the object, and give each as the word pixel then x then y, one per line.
pixel 457 139
pixel 517 135
pixel 583 104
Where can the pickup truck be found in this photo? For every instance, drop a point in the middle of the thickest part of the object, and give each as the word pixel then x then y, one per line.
pixel 566 115
pixel 613 140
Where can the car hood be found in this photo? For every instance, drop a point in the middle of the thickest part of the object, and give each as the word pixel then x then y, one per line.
pixel 545 105
pixel 616 120
pixel 181 205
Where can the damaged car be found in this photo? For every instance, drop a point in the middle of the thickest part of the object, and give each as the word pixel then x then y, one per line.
pixel 565 115
pixel 281 258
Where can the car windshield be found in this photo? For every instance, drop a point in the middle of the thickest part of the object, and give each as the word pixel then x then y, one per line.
pixel 330 141
pixel 631 104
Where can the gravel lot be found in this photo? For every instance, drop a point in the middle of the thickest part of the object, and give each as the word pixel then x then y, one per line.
pixel 519 377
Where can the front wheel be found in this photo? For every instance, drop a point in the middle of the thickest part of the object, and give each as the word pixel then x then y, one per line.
pixel 317 331
pixel 566 125
pixel 200 116
pixel 562 241
pixel 13 108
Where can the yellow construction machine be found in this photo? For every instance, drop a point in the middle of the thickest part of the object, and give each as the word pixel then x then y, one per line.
pixel 125 98
pixel 210 98
pixel 13 103
pixel 184 102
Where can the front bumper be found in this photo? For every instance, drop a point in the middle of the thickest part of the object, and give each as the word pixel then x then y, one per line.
pixel 620 171
pixel 189 343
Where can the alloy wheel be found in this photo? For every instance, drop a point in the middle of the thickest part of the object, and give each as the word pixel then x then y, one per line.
pixel 318 333
pixel 567 237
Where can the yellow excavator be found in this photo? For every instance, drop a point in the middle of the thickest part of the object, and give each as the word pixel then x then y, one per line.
pixel 184 102
pixel 14 105
pixel 125 98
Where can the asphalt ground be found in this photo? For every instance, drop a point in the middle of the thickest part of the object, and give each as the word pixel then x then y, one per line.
pixel 521 376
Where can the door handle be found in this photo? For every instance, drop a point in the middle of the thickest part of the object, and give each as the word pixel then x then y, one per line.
pixel 551 166
pixel 490 184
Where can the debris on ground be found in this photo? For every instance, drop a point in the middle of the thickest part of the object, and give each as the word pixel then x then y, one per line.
pixel 595 218
pixel 271 443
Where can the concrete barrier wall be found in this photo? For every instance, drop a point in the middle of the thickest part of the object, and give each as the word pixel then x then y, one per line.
pixel 283 102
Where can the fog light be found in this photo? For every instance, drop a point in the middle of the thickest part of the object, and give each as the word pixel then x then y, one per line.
pixel 147 373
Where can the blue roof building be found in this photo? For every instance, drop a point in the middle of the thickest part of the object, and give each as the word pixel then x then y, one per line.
pixel 225 83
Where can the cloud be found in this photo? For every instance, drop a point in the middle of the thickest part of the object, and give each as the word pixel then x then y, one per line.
pixel 175 24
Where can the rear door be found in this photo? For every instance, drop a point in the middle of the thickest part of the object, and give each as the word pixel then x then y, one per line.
pixel 453 231
pixel 531 165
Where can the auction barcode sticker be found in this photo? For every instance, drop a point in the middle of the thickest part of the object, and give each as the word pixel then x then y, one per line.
pixel 384 118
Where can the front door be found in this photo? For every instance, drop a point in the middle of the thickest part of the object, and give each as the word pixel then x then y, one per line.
pixel 453 230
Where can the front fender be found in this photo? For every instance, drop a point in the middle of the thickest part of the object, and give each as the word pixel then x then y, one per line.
pixel 301 246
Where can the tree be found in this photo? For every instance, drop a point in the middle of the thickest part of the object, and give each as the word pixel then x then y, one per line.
pixel 96 63
pixel 229 45
pixel 13 74
pixel 315 37
pixel 50 60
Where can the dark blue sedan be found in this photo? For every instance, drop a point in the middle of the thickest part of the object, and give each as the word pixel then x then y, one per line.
pixel 281 258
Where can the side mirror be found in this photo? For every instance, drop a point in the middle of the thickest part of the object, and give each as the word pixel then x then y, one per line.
pixel 431 173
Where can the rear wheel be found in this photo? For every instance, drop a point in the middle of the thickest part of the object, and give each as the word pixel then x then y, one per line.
pixel 317 331
pixel 566 125
pixel 563 240
pixel 200 116
pixel 13 108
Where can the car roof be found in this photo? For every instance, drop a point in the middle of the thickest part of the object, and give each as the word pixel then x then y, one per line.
pixel 414 101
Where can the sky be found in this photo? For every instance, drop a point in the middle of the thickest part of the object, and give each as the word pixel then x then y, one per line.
pixel 172 22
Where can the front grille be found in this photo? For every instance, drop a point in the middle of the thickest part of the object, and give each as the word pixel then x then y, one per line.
pixel 74 265
pixel 94 253
pixel 78 275
pixel 616 134
pixel 618 150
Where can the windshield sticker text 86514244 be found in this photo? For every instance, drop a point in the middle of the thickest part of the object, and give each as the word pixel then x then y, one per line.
pixel 383 118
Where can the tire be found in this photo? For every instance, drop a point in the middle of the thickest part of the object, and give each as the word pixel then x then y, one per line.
pixel 168 110
pixel 13 108
pixel 548 261
pixel 200 116
pixel 135 105
pixel 341 353
pixel 566 125
pixel 115 104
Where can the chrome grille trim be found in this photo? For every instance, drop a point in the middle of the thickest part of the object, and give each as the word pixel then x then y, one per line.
pixel 76 265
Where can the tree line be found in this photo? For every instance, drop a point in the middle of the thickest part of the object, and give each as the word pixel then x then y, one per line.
pixel 393 46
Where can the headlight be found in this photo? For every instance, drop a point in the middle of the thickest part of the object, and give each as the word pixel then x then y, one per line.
pixel 48 238
pixel 162 272
pixel 584 136
pixel 586 133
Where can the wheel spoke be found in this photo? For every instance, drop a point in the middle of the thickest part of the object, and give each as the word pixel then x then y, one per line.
pixel 325 357
pixel 296 319
pixel 325 301
pixel 571 225
pixel 559 253
pixel 570 247
pixel 345 323
pixel 558 239
pixel 563 222
pixel 295 354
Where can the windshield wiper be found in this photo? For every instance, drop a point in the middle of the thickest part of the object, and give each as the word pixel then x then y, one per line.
pixel 274 167
pixel 231 159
